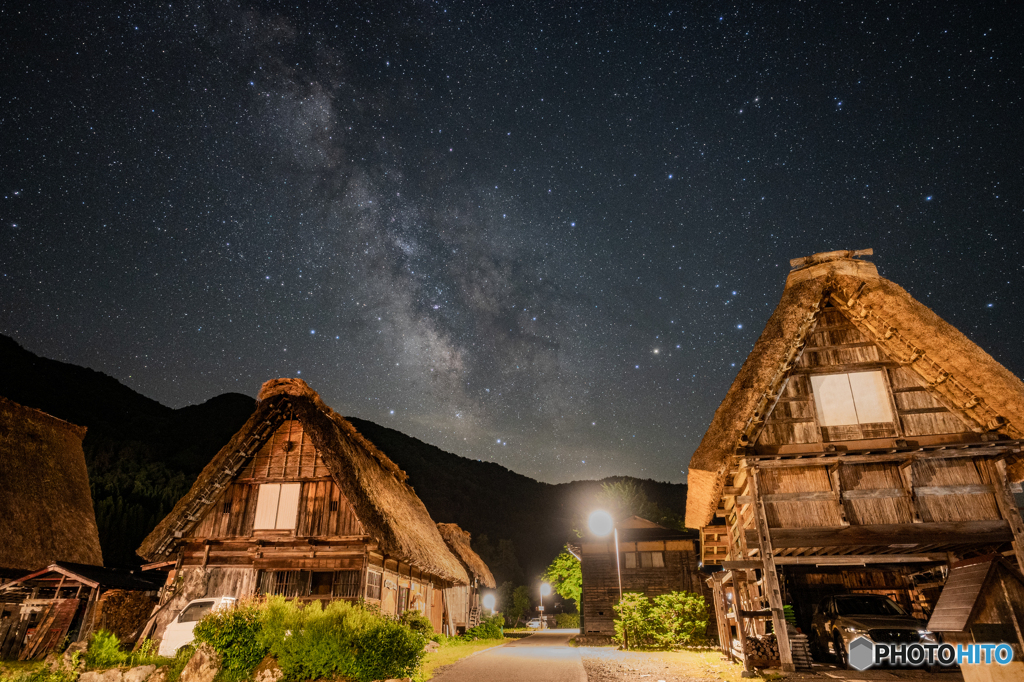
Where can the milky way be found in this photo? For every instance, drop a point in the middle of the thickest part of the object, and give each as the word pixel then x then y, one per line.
pixel 540 234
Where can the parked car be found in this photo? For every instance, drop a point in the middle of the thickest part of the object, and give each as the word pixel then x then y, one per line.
pixel 841 618
pixel 534 623
pixel 179 631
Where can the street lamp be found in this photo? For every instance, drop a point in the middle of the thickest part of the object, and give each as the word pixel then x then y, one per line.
pixel 489 603
pixel 545 589
pixel 601 523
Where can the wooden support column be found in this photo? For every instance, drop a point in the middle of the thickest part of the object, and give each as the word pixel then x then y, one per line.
pixel 738 588
pixel 770 579
pixel 1008 508
pixel 718 595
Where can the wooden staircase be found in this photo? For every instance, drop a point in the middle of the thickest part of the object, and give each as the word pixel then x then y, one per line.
pixel 474 617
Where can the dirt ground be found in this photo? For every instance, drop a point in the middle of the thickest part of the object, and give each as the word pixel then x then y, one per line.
pixel 607 664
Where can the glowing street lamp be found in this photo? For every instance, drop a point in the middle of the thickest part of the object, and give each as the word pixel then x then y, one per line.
pixel 600 524
pixel 489 603
pixel 545 589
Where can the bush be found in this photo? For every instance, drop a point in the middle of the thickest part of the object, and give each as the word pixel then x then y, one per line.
pixel 104 651
pixel 417 622
pixel 341 640
pixel 179 662
pixel 673 619
pixel 491 628
pixel 567 620
pixel 235 635
pixel 681 617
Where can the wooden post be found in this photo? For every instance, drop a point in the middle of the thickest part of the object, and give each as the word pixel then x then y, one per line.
pixel 718 596
pixel 738 588
pixel 770 579
pixel 1009 511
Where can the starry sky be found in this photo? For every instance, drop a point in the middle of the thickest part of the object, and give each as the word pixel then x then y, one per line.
pixel 544 234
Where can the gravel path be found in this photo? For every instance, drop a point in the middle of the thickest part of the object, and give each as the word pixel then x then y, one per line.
pixel 604 664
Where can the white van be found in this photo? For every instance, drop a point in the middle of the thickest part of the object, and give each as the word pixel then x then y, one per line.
pixel 179 630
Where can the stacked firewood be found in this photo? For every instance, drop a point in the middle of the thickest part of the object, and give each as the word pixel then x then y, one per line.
pixel 763 648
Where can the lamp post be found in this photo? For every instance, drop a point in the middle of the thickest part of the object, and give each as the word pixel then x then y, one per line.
pixel 489 603
pixel 600 524
pixel 545 589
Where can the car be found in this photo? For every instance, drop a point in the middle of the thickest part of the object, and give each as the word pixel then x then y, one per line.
pixel 179 631
pixel 534 624
pixel 842 618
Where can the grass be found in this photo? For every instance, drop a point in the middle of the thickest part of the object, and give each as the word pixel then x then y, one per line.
pixel 15 670
pixel 451 652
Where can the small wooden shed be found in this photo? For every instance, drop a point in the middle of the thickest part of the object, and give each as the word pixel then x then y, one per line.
pixel 298 503
pixel 983 602
pixel 464 600
pixel 39 610
pixel 862 430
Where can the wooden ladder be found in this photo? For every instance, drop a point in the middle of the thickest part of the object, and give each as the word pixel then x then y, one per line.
pixel 474 617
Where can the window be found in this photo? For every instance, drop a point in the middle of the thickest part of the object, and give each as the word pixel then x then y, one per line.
pixel 346 584
pixel 373 583
pixel 195 612
pixel 285 583
pixel 277 506
pixel 644 559
pixel 226 508
pixel 852 406
pixel 403 599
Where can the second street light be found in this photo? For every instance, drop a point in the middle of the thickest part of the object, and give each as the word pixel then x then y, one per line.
pixel 600 524
pixel 545 589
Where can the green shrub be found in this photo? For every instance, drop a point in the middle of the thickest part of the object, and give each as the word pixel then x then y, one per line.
pixel 179 662
pixel 674 619
pixel 43 673
pixel 491 628
pixel 634 627
pixel 417 622
pixel 235 635
pixel 104 651
pixel 341 640
pixel 567 620
pixel 681 617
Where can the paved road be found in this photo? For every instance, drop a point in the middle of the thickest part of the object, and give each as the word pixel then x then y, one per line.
pixel 543 657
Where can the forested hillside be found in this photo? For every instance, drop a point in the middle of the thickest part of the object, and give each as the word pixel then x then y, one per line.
pixel 143 456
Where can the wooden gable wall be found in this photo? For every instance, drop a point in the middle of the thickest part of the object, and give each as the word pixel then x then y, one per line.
pixel 287 456
pixel 835 345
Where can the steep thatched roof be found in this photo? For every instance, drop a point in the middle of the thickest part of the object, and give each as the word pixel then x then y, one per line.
pixel 46 512
pixel 951 365
pixel 458 541
pixel 387 507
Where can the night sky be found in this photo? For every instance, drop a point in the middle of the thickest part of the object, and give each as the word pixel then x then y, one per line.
pixel 539 233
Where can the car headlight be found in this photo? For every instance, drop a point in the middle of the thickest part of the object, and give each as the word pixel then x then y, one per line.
pixel 850 628
pixel 927 635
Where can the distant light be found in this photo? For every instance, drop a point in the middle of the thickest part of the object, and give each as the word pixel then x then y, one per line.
pixel 312 331
pixel 928 198
pixel 739 326
pixel 489 602
pixel 392 411
pixel 600 523
pixel 545 589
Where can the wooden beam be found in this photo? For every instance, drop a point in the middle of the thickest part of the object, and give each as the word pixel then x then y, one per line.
pixel 945 533
pixel 859 559
pixel 741 565
pixel 1008 508
pixel 770 576
pixel 811 459
pixel 955 490
pixel 873 494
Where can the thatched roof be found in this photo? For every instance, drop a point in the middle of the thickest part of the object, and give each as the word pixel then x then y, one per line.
pixel 949 363
pixel 458 541
pixel 46 512
pixel 386 505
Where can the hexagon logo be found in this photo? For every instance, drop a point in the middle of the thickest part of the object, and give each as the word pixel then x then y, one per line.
pixel 862 653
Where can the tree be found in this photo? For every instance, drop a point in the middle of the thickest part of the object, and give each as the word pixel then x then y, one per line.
pixel 514 601
pixel 501 559
pixel 566 577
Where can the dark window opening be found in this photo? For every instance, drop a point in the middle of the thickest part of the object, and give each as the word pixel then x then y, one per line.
pixel 227 508
pixel 334 505
pixel 403 599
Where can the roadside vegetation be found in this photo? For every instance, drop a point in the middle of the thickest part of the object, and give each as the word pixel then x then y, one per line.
pixel 668 621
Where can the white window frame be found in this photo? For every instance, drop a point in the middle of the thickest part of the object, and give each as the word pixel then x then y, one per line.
pixel 277 506
pixel 852 398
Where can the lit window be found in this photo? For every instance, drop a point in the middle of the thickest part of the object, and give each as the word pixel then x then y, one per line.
pixel 277 507
pixel 652 560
